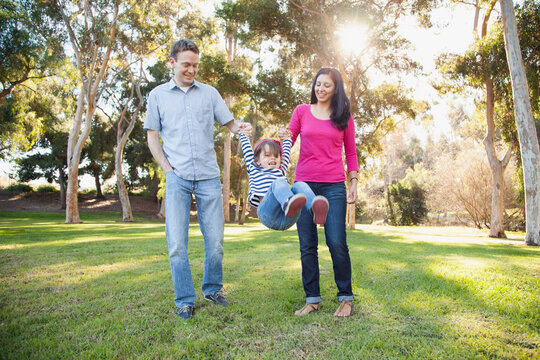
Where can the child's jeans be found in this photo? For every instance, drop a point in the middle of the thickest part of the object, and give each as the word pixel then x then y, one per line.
pixel 270 210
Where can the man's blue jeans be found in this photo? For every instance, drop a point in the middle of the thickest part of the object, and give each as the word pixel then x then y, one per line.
pixel 270 210
pixel 334 230
pixel 178 196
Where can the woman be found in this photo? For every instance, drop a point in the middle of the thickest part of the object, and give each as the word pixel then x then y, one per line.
pixel 326 127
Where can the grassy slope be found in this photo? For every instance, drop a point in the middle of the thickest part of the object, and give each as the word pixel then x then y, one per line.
pixel 102 289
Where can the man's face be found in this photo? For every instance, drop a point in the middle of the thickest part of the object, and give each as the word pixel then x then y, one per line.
pixel 185 67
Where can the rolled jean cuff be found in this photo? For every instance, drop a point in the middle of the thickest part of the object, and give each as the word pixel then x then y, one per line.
pixel 345 297
pixel 313 299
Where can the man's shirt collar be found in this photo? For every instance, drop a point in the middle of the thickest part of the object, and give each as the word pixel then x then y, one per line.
pixel 172 84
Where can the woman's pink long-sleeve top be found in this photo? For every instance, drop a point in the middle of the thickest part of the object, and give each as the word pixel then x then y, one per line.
pixel 321 148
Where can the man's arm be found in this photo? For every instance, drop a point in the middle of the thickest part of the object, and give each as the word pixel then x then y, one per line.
pixel 157 152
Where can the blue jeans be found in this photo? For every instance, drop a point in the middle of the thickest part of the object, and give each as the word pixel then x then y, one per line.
pixel 178 196
pixel 270 210
pixel 336 240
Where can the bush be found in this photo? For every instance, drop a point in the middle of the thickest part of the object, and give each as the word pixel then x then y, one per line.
pixel 406 205
pixel 88 191
pixel 20 188
pixel 46 189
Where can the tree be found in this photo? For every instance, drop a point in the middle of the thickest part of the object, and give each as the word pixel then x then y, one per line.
pixel 530 150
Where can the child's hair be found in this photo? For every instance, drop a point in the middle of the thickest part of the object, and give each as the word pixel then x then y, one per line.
pixel 341 106
pixel 274 148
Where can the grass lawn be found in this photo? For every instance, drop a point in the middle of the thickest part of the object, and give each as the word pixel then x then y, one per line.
pixel 103 289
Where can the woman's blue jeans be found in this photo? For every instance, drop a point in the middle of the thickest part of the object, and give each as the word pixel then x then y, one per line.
pixel 336 240
pixel 178 197
pixel 270 210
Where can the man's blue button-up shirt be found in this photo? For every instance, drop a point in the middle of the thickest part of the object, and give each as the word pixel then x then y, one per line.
pixel 186 123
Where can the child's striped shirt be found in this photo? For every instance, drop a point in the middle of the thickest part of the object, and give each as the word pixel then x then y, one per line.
pixel 260 179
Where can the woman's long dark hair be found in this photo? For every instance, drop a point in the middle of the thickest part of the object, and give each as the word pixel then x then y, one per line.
pixel 340 104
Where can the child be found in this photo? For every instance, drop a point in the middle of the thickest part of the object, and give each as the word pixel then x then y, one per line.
pixel 278 205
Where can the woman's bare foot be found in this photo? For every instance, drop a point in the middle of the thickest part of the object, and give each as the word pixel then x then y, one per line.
pixel 345 309
pixel 308 308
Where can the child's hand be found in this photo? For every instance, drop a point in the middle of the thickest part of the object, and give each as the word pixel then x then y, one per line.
pixel 284 133
pixel 244 128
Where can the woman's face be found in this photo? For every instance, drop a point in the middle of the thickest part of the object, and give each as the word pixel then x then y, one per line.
pixel 324 88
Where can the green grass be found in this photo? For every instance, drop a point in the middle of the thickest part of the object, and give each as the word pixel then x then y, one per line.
pixel 102 289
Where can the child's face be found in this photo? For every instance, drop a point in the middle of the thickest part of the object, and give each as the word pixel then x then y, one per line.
pixel 268 159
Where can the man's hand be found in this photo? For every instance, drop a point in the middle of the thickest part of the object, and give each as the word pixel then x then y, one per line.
pixel 245 128
pixel 239 127
pixel 157 152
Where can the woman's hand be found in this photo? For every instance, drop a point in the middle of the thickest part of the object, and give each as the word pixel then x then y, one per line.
pixel 352 195
pixel 284 133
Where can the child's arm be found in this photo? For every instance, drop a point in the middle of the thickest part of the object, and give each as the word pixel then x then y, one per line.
pixel 247 150
pixel 286 148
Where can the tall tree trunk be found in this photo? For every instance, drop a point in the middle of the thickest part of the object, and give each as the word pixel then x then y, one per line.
pixel 62 183
pixel 231 53
pixel 123 194
pixel 99 193
pixel 530 151
pixel 122 136
pixel 227 171
pixel 497 168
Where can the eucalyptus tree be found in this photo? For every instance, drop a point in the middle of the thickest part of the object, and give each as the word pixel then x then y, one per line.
pixel 94 29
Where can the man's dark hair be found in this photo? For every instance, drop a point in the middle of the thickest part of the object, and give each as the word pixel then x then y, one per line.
pixel 183 45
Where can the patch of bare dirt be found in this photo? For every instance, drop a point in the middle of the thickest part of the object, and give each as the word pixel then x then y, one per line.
pixel 35 201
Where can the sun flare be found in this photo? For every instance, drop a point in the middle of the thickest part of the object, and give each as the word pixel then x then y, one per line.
pixel 353 38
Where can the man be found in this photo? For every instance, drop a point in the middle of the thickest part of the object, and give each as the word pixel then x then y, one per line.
pixel 183 111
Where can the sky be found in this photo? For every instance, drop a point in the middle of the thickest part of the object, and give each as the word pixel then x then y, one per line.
pixel 452 32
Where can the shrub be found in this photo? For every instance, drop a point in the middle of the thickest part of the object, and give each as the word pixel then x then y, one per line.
pixel 20 188
pixel 406 205
pixel 88 191
pixel 46 189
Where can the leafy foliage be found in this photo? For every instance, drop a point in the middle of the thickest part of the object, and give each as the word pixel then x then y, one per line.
pixel 20 188
pixel 406 205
